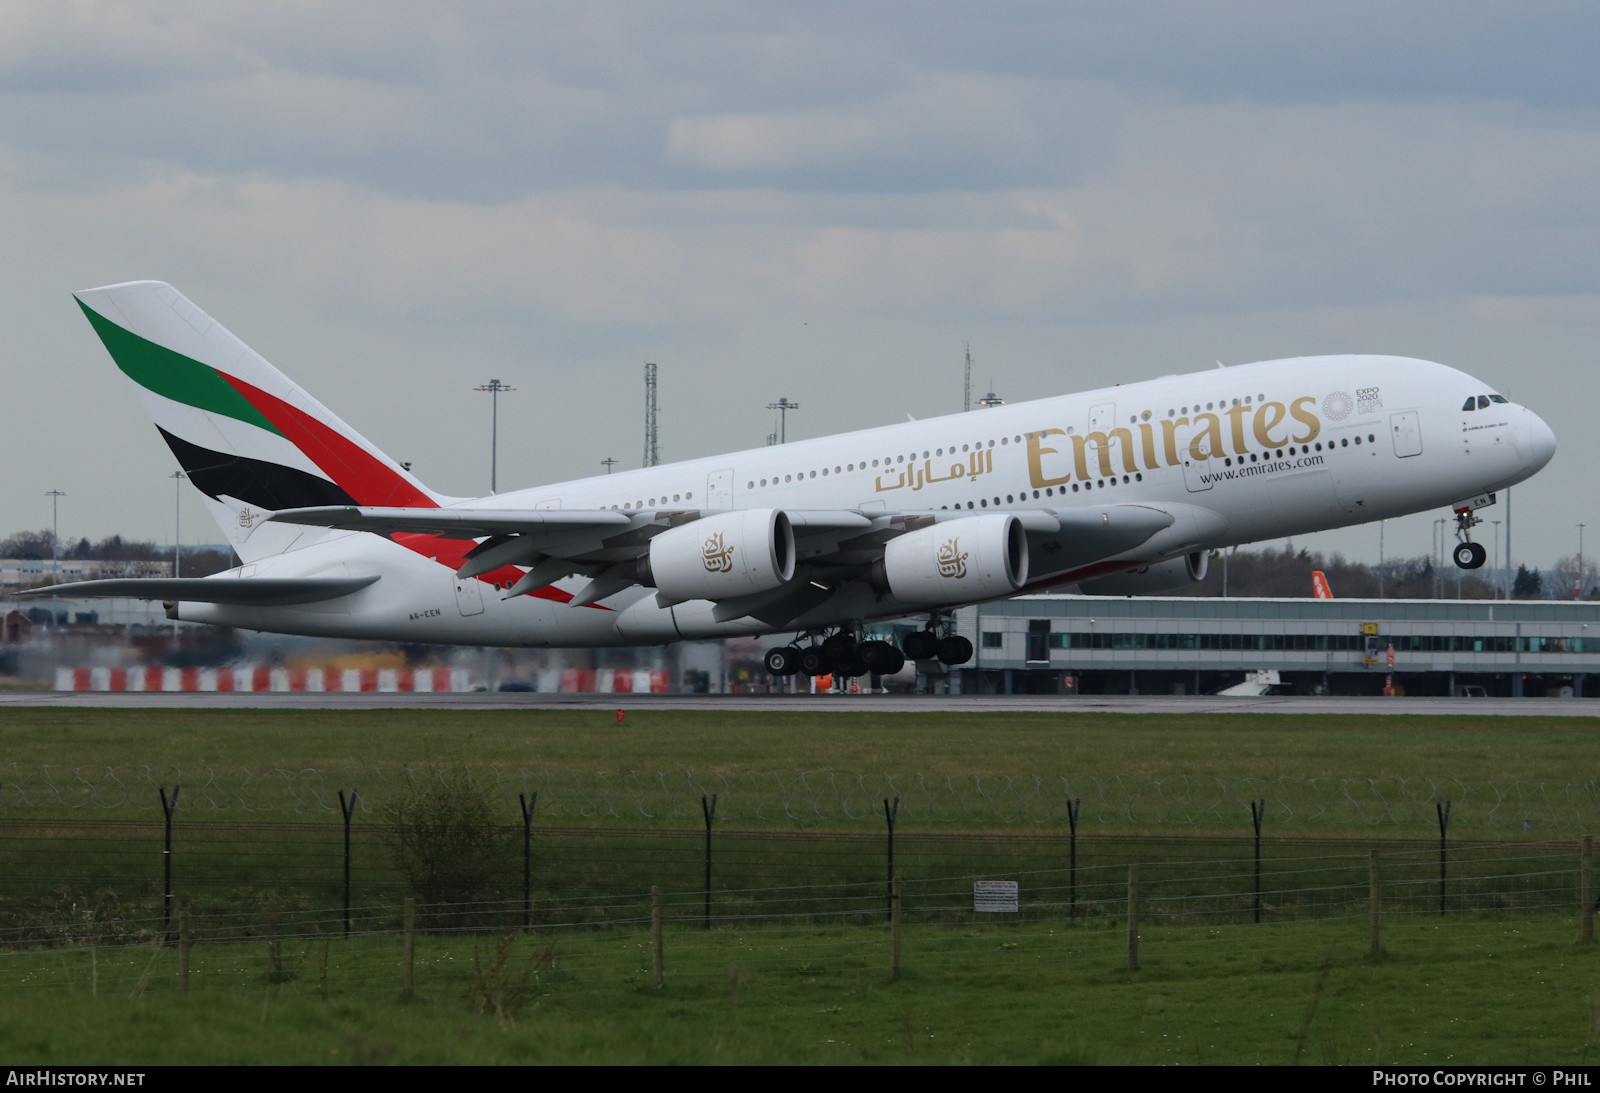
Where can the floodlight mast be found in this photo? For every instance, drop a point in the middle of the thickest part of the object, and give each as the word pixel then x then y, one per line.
pixel 177 517
pixel 783 406
pixel 55 548
pixel 495 389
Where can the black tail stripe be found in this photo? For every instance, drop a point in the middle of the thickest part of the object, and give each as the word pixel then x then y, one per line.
pixel 256 482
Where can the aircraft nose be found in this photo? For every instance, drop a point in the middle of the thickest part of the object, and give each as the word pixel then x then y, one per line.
pixel 1538 441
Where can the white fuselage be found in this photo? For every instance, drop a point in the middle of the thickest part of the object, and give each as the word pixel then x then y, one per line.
pixel 1238 455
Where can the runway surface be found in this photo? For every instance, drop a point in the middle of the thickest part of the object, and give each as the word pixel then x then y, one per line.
pixel 482 700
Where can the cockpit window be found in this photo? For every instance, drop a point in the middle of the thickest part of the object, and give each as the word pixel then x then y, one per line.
pixel 1497 398
pixel 1483 402
pixel 1470 404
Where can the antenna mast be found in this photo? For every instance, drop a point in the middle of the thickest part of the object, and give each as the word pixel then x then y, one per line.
pixel 652 454
pixel 966 391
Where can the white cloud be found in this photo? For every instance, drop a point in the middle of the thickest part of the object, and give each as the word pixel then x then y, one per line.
pixel 744 142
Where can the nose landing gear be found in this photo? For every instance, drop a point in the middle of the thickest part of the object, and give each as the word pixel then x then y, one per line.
pixel 1467 554
pixel 1470 555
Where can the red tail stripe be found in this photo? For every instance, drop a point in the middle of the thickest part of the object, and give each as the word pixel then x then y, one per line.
pixel 356 471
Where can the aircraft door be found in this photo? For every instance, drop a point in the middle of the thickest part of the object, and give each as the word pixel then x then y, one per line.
pixel 1103 418
pixel 719 490
pixel 1196 473
pixel 1406 432
pixel 469 595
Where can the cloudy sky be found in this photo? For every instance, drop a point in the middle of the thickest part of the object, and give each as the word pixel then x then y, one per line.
pixel 395 202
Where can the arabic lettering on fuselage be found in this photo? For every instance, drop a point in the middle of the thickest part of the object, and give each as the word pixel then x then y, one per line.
pixel 1143 445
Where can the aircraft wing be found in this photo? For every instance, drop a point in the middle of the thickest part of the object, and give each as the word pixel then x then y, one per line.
pixel 453 523
pixel 607 545
pixel 240 591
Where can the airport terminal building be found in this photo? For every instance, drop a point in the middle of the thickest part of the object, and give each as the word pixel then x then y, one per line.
pixel 1186 645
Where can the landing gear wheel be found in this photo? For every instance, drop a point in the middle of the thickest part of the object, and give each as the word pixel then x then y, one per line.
pixel 813 663
pixel 955 650
pixel 896 662
pixel 1470 555
pixel 782 661
pixel 840 649
pixel 855 669
pixel 920 645
pixel 877 655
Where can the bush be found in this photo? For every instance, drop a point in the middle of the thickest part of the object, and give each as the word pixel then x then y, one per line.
pixel 448 845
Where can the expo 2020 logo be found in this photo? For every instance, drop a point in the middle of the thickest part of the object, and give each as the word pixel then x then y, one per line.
pixel 1337 406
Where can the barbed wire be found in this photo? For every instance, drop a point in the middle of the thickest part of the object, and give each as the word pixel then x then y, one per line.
pixel 806 798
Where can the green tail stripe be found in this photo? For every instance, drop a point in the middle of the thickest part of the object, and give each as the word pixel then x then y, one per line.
pixel 172 375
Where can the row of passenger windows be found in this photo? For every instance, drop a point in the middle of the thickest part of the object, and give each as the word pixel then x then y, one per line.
pixel 893 461
pixel 654 501
pixel 1333 643
pixel 887 462
pixel 1220 404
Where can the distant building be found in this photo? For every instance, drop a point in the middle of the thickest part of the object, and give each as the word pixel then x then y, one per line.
pixel 1184 645
pixel 18 573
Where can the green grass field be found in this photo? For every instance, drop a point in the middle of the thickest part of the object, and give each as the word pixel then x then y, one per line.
pixel 1533 776
pixel 1499 979
pixel 1205 745
pixel 1475 990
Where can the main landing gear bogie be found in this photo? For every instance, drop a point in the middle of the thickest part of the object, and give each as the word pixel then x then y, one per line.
pixel 841 654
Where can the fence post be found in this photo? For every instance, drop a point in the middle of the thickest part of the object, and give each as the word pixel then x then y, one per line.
pixel 185 942
pixel 709 808
pixel 1258 812
pixel 890 814
pixel 1444 824
pixel 528 804
pixel 1133 916
pixel 1074 806
pixel 894 927
pixel 167 807
pixel 1372 901
pixel 657 956
pixel 408 981
pixel 1586 888
pixel 348 808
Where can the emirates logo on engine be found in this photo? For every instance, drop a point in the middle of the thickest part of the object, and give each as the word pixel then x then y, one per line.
pixel 717 555
pixel 952 559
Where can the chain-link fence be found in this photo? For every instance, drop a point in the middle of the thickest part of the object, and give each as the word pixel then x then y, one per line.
pixel 110 882
pixel 806 799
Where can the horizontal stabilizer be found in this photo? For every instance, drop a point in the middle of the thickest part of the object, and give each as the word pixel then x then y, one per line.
pixel 239 591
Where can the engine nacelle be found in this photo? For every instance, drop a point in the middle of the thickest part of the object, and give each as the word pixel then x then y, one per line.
pixel 730 554
pixel 957 561
pixel 1173 573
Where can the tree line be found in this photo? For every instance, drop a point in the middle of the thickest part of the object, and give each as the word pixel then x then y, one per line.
pixel 199 561
pixel 1287 573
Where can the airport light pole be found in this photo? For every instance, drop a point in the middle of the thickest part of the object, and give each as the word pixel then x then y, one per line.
pixel 495 389
pixel 177 516
pixel 1495 569
pixel 55 548
pixel 1577 579
pixel 783 406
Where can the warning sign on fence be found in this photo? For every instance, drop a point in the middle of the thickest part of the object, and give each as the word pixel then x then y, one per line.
pixel 994 895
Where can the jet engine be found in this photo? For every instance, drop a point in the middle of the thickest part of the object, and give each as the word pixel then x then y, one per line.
pixel 730 554
pixel 956 561
pixel 1173 573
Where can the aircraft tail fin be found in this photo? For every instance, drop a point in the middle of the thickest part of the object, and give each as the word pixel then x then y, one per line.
pixel 1319 586
pixel 249 438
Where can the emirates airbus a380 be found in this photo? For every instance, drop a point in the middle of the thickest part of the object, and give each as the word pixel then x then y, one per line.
pixel 1120 490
